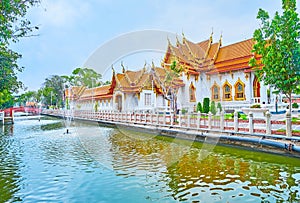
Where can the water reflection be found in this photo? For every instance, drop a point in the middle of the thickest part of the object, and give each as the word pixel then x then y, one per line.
pixel 40 162
pixel 221 176
pixel 9 177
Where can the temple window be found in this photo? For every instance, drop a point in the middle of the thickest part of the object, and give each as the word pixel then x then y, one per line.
pixel 227 91
pixel 147 99
pixel 215 92
pixel 192 93
pixel 239 90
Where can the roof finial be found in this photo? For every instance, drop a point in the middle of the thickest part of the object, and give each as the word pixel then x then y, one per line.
pixel 221 39
pixel 123 68
pixel 177 41
pixel 211 34
pixel 113 70
pixel 153 64
pixel 183 37
pixel 169 43
pixel 144 68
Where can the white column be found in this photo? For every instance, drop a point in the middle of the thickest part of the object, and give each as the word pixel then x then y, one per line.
pixel 209 120
pixel 268 123
pixel 198 119
pixel 236 121
pixel 288 124
pixel 251 126
pixel 222 120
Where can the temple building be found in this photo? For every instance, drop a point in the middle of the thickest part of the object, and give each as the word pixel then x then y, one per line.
pixel 204 69
pixel 221 73
pixel 144 90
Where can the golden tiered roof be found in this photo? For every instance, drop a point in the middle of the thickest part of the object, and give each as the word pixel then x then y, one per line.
pixel 234 57
pixel 132 81
pixel 74 92
pixel 136 81
pixel 209 57
pixel 102 92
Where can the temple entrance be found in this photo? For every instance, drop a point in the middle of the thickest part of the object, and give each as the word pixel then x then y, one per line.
pixel 256 90
pixel 119 102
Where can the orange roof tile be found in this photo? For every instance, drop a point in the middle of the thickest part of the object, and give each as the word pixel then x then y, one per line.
pixel 234 51
pixel 213 51
pixel 97 92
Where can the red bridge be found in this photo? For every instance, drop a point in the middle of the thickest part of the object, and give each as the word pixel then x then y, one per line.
pixel 25 109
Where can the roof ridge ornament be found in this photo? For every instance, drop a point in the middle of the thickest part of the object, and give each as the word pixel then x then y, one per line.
pixel 169 43
pixel 113 70
pixel 177 41
pixel 211 35
pixel 183 38
pixel 123 67
pixel 221 38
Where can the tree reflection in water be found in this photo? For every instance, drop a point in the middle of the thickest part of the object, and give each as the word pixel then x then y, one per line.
pixel 9 177
pixel 225 174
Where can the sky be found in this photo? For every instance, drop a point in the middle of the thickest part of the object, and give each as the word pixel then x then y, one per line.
pixel 72 30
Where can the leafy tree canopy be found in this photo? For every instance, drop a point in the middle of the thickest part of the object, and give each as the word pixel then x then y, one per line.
pixel 84 77
pixel 277 42
pixel 13 26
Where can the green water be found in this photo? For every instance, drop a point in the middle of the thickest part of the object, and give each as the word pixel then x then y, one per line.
pixel 41 163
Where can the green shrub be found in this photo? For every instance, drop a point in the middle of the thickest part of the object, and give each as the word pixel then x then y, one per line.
pixel 295 105
pixel 243 116
pixel 228 116
pixel 199 107
pixel 206 105
pixel 213 109
pixel 219 106
pixel 255 106
pixel 184 111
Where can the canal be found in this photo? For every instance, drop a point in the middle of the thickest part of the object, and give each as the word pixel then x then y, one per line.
pixel 40 162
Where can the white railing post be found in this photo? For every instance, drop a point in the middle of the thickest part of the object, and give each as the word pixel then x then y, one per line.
pixel 179 119
pixel 209 120
pixel 251 126
pixel 157 118
pixel 189 120
pixel 198 119
pixel 288 124
pixel 165 118
pixel 268 123
pixel 222 120
pixel 236 121
pixel 151 118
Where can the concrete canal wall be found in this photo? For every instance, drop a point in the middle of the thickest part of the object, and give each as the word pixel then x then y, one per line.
pixel 254 134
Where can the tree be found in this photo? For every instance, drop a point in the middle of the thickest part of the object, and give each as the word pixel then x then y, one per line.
pixel 277 42
pixel 199 107
pixel 174 72
pixel 13 26
pixel 86 77
pixel 27 96
pixel 219 106
pixel 213 109
pixel 206 105
pixel 53 90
